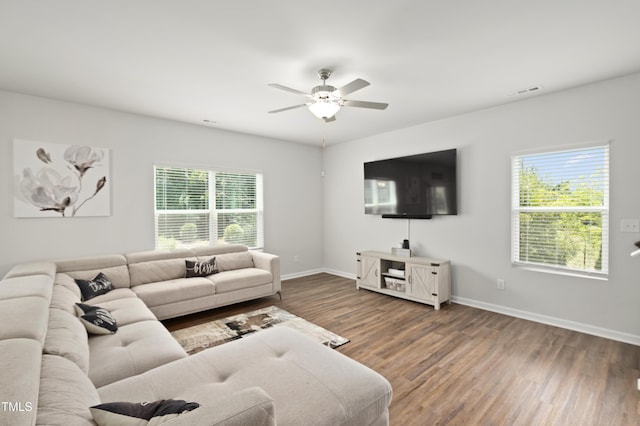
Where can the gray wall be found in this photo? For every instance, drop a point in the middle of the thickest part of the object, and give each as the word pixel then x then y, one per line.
pixel 477 241
pixel 292 181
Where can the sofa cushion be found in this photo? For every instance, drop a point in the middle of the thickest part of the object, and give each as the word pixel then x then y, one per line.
pixel 231 261
pixel 200 268
pixel 115 294
pixel 134 349
pixel 19 367
pixel 204 252
pixel 67 337
pixel 140 413
pixel 24 317
pixel 32 268
pixel 67 281
pixel 155 266
pixel 35 285
pixel 240 279
pixel 64 299
pixel 114 266
pixel 100 284
pixel 96 319
pixel 128 310
pixel 177 290
pixel 329 387
pixel 66 393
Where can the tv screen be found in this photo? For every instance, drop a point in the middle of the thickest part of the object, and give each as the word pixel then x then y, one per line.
pixel 416 186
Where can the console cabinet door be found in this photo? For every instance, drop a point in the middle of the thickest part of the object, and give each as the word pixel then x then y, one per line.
pixel 423 281
pixel 370 271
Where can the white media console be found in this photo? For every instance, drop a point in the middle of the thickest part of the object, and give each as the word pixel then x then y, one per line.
pixel 414 278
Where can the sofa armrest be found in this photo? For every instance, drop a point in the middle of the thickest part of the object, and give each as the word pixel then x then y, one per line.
pixel 250 406
pixel 268 262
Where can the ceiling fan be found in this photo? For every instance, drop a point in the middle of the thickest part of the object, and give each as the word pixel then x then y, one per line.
pixel 325 101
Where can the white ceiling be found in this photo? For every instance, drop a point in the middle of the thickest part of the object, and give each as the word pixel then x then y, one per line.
pixel 195 60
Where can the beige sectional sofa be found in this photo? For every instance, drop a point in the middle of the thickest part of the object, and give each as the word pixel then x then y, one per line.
pixel 52 370
pixel 158 277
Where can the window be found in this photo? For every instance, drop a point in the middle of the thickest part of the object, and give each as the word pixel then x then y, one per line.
pixel 560 211
pixel 195 207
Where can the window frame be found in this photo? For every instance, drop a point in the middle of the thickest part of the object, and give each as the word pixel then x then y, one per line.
pixel 604 210
pixel 212 210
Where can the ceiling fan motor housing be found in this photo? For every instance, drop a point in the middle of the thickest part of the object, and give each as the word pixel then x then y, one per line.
pixel 325 92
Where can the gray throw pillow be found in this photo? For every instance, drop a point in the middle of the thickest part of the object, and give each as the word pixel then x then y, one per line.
pixel 96 320
pixel 140 413
pixel 95 287
pixel 200 269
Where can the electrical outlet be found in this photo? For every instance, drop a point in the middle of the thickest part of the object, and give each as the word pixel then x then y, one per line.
pixel 630 225
pixel 500 284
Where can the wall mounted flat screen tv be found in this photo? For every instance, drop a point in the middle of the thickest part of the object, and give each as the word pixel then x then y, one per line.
pixel 414 187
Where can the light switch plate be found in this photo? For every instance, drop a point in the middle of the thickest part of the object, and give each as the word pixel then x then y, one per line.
pixel 630 225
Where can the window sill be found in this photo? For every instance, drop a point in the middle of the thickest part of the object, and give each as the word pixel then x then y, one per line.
pixel 561 271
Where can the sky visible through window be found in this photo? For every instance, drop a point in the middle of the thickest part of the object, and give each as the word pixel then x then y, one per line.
pixel 575 166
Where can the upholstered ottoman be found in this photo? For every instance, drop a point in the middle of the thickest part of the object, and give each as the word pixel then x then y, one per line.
pixel 309 383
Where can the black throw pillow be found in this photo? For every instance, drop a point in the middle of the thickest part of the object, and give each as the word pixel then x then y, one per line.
pixel 201 269
pixel 96 320
pixel 95 287
pixel 139 413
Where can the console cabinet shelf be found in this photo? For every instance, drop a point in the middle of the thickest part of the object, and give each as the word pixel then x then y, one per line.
pixel 424 280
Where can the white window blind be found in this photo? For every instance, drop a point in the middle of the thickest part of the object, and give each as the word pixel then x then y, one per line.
pixel 560 210
pixel 195 207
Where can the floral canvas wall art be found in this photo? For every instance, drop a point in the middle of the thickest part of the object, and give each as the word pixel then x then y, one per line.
pixel 58 180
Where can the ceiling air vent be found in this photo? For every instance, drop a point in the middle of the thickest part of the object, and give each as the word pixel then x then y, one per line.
pixel 527 91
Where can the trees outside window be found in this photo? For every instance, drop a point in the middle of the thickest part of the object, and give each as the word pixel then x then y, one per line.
pixel 204 207
pixel 560 210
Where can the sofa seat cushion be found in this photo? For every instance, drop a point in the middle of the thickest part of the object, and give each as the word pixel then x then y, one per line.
pixel 133 349
pixel 66 393
pixel 128 310
pixel 67 337
pixel 239 279
pixel 115 294
pixel 177 290
pixel 310 384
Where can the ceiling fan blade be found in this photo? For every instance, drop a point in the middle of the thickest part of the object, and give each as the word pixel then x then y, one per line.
pixel 329 119
pixel 289 89
pixel 287 108
pixel 363 104
pixel 356 84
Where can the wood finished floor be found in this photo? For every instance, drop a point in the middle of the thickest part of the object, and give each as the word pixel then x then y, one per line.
pixel 465 366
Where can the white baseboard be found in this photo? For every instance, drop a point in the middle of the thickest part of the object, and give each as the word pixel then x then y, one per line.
pixel 557 322
pixel 339 273
pixel 301 274
pixel 531 316
pixel 317 271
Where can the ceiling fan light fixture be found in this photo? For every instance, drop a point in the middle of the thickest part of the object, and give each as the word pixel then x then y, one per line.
pixel 324 108
pixel 326 100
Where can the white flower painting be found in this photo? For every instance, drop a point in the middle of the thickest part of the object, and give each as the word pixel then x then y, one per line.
pixel 56 180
